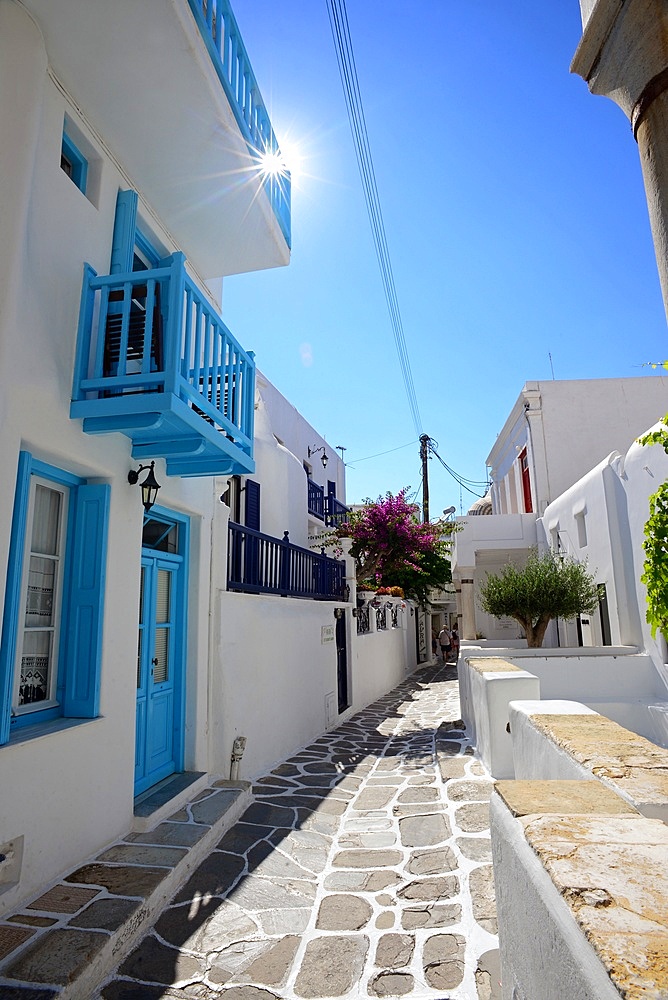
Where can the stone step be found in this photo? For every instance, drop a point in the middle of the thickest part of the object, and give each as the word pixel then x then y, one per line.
pixel 62 945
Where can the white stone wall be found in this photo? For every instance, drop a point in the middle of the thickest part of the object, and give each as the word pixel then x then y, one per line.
pixel 613 500
pixel 275 681
pixel 567 427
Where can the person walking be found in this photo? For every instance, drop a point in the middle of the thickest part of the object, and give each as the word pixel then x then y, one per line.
pixel 445 642
pixel 455 643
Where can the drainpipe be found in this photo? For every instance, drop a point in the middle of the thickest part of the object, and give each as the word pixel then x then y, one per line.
pixel 238 748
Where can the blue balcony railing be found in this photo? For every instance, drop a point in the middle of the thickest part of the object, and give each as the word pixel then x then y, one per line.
pixel 336 513
pixel 230 59
pixel 155 361
pixel 315 499
pixel 261 564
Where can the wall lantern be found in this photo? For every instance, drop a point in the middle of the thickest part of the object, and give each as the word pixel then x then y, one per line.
pixel 324 458
pixel 150 486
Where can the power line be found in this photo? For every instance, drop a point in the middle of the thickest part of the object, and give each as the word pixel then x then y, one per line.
pixel 463 482
pixel 380 453
pixel 338 19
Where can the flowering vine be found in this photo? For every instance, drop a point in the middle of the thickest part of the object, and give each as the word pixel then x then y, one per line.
pixel 393 548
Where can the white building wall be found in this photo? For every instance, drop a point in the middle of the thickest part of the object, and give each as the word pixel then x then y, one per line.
pixel 276 676
pixel 282 440
pixel 568 426
pixel 254 665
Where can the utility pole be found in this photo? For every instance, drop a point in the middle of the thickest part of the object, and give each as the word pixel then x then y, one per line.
pixel 424 440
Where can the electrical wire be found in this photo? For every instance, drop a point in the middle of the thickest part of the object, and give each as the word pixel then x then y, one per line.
pixel 463 482
pixel 380 453
pixel 338 19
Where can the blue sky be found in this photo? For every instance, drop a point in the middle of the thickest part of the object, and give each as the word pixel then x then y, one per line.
pixel 514 212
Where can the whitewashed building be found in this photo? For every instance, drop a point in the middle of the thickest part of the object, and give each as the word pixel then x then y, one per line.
pixel 138 642
pixel 556 432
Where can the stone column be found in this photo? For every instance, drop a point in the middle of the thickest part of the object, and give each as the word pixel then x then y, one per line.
pixel 468 607
pixel 351 569
pixel 623 55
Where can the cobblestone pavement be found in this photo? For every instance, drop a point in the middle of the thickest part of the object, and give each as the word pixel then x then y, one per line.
pixel 363 869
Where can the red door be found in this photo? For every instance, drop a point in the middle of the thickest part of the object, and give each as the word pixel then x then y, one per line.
pixel 526 481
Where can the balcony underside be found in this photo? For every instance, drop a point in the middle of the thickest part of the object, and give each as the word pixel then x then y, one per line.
pixel 141 72
pixel 161 425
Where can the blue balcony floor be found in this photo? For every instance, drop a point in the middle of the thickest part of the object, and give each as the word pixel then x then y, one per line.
pixel 161 425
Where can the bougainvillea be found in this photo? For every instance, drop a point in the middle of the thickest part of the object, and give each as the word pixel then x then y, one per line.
pixel 394 549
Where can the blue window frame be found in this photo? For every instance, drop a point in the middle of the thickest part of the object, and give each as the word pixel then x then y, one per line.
pixel 73 162
pixel 50 646
pixel 145 254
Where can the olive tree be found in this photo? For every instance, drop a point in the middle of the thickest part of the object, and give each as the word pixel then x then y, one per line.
pixel 547 587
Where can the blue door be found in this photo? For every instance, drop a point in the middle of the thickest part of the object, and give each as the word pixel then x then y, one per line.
pixel 159 726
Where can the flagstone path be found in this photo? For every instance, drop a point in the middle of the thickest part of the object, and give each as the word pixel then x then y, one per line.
pixel 363 869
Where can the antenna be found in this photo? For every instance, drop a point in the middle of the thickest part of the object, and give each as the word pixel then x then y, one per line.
pixel 549 354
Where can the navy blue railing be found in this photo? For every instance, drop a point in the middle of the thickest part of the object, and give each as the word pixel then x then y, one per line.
pixel 261 564
pixel 316 500
pixel 336 513
pixel 230 59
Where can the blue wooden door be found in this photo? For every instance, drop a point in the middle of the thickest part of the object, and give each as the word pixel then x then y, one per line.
pixel 158 671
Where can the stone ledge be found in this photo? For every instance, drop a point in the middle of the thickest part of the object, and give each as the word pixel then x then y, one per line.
pixel 589 891
pixel 566 798
pixel 627 763
pixel 491 664
pixel 611 873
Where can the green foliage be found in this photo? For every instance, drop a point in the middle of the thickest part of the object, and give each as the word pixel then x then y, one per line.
pixel 656 364
pixel 657 437
pixel 546 587
pixel 655 568
pixel 655 545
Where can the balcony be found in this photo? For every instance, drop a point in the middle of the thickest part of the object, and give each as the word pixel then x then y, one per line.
pixel 261 564
pixel 325 508
pixel 169 88
pixel 315 499
pixel 230 59
pixel 154 361
pixel 336 513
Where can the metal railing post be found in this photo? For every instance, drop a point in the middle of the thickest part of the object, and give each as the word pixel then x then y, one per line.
pixel 284 574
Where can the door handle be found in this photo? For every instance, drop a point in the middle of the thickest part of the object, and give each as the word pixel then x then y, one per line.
pixel 154 661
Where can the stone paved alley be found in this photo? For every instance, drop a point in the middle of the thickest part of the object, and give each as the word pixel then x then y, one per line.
pixel 362 869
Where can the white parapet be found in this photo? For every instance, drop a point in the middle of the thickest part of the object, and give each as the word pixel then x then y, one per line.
pixel 582 893
pixel 487 686
pixel 536 756
pixel 566 740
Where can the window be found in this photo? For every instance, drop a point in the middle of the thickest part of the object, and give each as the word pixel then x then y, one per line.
pixel 580 515
pixel 73 162
pixel 50 647
pixel 41 592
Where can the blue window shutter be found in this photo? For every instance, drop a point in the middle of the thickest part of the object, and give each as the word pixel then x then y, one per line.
pixel 82 650
pixel 125 225
pixel 252 513
pixel 12 612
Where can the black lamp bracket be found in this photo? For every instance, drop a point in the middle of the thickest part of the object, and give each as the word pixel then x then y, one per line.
pixel 324 458
pixel 134 474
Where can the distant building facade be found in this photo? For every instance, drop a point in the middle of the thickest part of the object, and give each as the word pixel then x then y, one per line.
pixel 556 433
